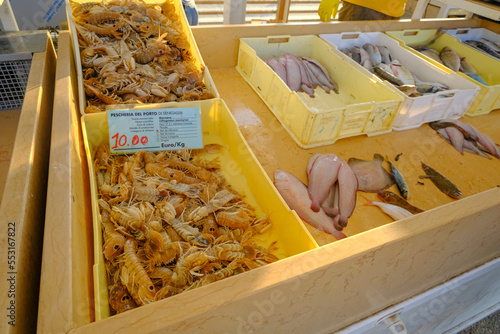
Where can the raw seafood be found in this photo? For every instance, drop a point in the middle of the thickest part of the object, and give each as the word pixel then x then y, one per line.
pixel 450 58
pixel 441 182
pixel 135 52
pixel 392 198
pixel 163 235
pixel 378 60
pixel 334 186
pixel 372 177
pixel 295 194
pixel 486 46
pixel 393 211
pixel 302 74
pixel 400 181
pixel 348 185
pixel 465 137
pixel 322 175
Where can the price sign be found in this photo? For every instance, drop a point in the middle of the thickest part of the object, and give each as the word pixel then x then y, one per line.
pixel 154 129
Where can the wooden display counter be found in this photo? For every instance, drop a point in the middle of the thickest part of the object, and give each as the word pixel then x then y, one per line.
pixel 24 160
pixel 323 290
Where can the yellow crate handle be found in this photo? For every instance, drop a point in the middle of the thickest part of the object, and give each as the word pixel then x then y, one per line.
pixel 328 9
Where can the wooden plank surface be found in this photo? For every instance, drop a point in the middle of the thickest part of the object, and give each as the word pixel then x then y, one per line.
pixel 66 292
pixel 9 120
pixel 23 208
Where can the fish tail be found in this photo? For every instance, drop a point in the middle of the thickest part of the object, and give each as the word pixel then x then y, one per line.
pixel 369 202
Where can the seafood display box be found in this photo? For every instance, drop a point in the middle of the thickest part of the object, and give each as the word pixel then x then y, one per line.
pixel 415 111
pixel 323 289
pixel 465 34
pixel 193 49
pixel 218 126
pixel 488 68
pixel 363 105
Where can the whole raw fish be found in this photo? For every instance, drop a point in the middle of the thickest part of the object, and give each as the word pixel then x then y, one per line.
pixel 441 182
pixel 347 52
pixel 356 54
pixel 466 66
pixel 303 73
pixel 293 77
pixel 456 138
pixel 409 90
pixel 393 211
pixel 277 67
pixel 431 53
pixel 385 72
pixel 295 194
pixel 331 203
pixel 402 73
pixel 373 52
pixel 467 147
pixel 348 186
pixel 482 47
pixel 321 75
pixel 490 44
pixel 322 175
pixel 403 188
pixel 364 56
pixel 430 87
pixel 385 53
pixel 472 136
pixel 394 199
pixel 450 58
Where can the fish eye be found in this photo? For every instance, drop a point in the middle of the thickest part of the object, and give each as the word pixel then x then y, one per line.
pixel 151 288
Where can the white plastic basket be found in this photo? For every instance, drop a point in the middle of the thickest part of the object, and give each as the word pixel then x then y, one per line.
pixel 415 111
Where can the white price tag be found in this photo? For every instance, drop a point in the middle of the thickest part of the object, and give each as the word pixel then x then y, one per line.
pixel 154 129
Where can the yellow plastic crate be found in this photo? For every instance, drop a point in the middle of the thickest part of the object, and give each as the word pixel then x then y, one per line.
pixel 488 97
pixel 363 106
pixel 193 49
pixel 241 169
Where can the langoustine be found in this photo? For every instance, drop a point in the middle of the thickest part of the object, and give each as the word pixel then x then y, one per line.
pixel 162 237
pixel 141 40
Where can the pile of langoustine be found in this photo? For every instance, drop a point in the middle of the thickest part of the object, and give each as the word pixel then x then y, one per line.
pixel 134 52
pixel 170 223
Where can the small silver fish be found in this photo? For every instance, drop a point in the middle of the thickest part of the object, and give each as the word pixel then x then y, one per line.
pixel 490 44
pixel 393 211
pixel 403 188
pixel 441 182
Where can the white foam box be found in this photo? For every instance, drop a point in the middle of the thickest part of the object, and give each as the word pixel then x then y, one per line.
pixel 363 105
pixel 415 111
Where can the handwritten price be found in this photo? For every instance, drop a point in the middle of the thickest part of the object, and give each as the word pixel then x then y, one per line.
pixel 122 140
